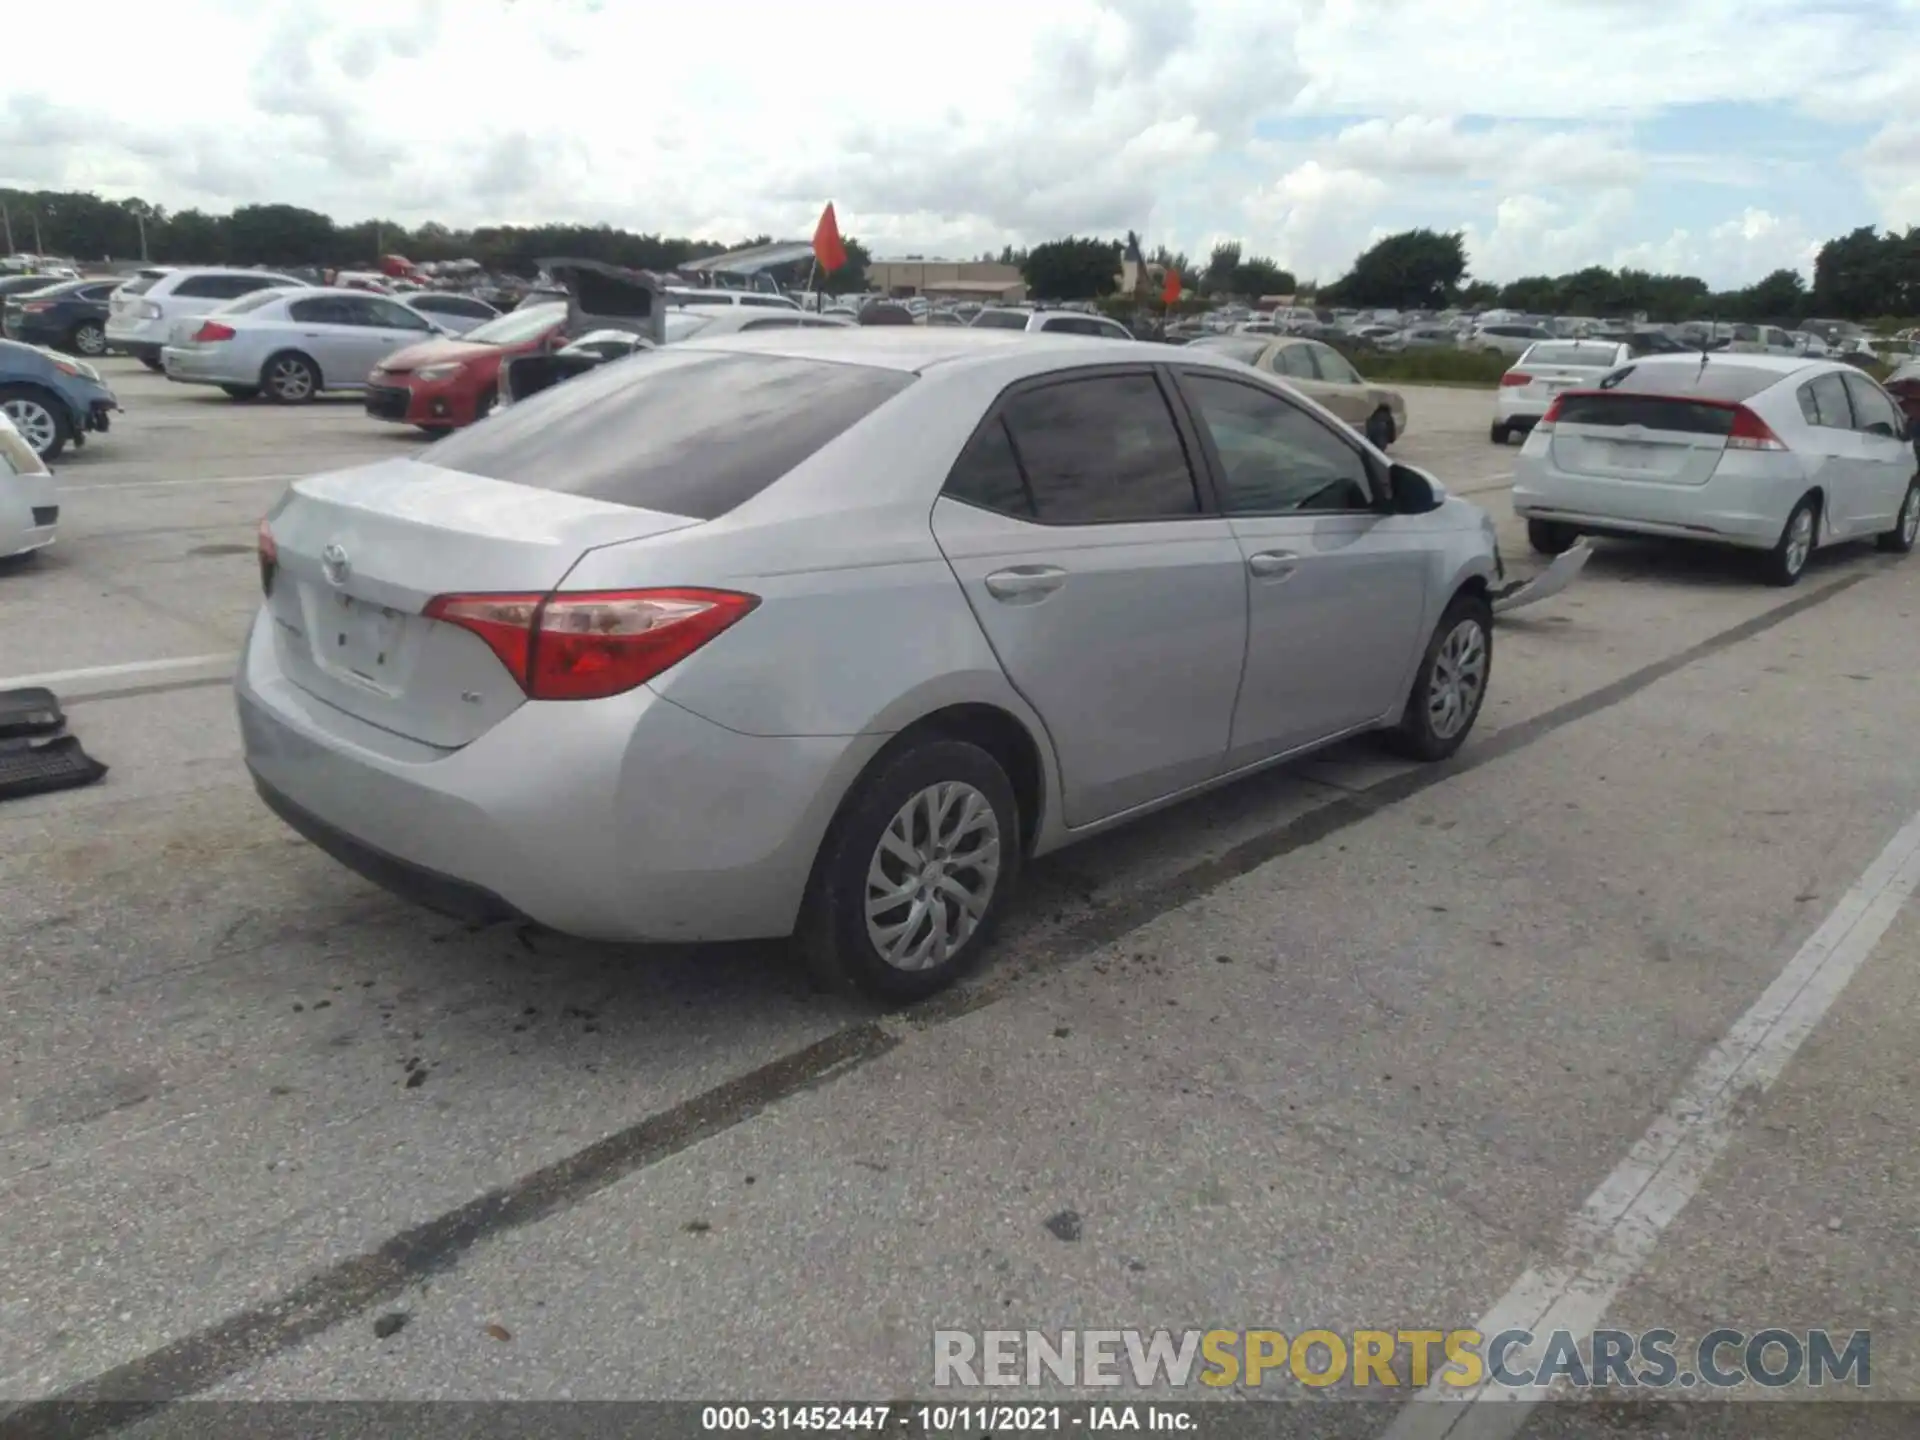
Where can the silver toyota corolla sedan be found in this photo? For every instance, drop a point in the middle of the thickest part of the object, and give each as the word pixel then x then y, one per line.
pixel 825 633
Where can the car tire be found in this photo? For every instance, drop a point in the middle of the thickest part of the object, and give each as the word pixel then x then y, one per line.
pixel 1380 431
pixel 1550 537
pixel 483 406
pixel 1787 561
pixel 1500 434
pixel 152 362
pixel 838 942
pixel 1451 684
pixel 41 420
pixel 1906 526
pixel 89 339
pixel 242 392
pixel 434 432
pixel 289 378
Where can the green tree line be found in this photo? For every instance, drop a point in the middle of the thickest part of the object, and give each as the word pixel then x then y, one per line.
pixel 1864 274
pixel 87 228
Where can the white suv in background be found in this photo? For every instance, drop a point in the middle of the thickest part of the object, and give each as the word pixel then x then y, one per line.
pixel 1054 322
pixel 143 313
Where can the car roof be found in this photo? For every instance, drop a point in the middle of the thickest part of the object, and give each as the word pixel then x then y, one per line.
pixel 919 349
pixel 1782 365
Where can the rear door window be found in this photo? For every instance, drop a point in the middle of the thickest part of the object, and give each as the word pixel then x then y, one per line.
pixel 1101 450
pixel 322 310
pixel 1871 408
pixel 1332 365
pixel 694 433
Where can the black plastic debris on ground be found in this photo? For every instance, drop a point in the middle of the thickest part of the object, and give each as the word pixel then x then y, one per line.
pixel 29 712
pixel 34 758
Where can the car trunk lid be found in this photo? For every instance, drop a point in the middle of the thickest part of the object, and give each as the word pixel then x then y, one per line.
pixel 1654 438
pixel 355 556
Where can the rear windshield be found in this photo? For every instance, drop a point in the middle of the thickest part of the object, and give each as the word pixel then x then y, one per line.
pixel 1655 412
pixel 1725 380
pixel 1000 320
pixel 692 433
pixel 1598 356
pixel 1245 351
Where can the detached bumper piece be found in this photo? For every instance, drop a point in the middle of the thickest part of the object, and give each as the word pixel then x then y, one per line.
pixel 34 757
pixel 29 712
pixel 1548 583
pixel 100 417
pixel 33 767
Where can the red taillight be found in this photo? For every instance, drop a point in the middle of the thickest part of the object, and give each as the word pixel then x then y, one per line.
pixel 211 331
pixel 36 307
pixel 590 644
pixel 1516 377
pixel 1546 421
pixel 1750 432
pixel 269 552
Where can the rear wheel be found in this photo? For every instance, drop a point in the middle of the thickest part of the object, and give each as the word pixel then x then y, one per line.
pixel 434 432
pixel 1906 528
pixel 290 379
pixel 1380 431
pixel 1499 434
pixel 914 873
pixel 1549 537
pixel 41 421
pixel 89 339
pixel 1451 683
pixel 1787 561
pixel 483 407
pixel 152 362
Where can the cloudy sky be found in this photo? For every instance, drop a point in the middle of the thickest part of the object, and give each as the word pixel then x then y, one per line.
pixel 1722 138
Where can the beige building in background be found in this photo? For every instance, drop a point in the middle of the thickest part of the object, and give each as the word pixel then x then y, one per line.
pixel 982 280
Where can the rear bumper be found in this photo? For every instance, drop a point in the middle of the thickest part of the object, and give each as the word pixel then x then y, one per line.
pixel 1518 412
pixel 191 365
pixel 629 819
pixel 1745 503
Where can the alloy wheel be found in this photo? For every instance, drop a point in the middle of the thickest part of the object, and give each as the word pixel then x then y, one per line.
pixel 290 379
pixel 1459 675
pixel 1910 516
pixel 1799 541
pixel 35 422
pixel 932 876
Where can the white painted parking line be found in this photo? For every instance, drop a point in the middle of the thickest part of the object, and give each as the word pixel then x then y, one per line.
pixel 1616 1229
pixel 175 484
pixel 114 672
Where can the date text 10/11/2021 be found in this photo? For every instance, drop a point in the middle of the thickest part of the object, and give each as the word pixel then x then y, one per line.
pixel 947 1419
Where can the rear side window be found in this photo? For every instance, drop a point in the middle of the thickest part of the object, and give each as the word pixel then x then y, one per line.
pixel 1000 320
pixel 1823 401
pixel 988 474
pixel 692 433
pixel 1101 450
pixel 142 285
pixel 1720 379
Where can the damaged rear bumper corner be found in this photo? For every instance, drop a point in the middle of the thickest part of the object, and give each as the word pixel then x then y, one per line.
pixel 1556 577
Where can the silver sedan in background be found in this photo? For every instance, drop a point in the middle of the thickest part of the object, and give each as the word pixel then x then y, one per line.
pixel 290 345
pixel 825 632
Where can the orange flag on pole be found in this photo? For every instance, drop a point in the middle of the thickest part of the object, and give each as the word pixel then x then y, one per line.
pixel 1171 295
pixel 827 247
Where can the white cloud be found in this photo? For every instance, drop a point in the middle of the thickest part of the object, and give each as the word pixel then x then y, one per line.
pixel 1092 116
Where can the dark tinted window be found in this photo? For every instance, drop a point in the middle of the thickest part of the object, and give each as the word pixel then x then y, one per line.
pixel 1721 378
pixel 988 475
pixel 99 292
pixel 1102 449
pixel 1870 406
pixel 1000 320
pixel 692 433
pixel 322 310
pixel 1823 400
pixel 1075 325
pixel 225 287
pixel 1275 458
pixel 1655 412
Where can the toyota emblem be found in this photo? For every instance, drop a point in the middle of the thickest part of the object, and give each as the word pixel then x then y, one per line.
pixel 334 561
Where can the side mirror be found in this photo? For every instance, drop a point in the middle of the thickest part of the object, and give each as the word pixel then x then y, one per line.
pixel 1411 491
pixel 1883 430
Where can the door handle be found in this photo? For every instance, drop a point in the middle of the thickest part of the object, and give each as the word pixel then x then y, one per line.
pixel 1025 582
pixel 1273 564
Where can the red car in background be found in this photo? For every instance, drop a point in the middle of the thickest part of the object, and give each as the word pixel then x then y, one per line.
pixel 441 385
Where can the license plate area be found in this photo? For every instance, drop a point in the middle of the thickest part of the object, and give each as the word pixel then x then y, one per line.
pixel 362 641
pixel 1641 459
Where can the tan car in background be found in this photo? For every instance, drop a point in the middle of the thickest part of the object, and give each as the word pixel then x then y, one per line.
pixel 1323 375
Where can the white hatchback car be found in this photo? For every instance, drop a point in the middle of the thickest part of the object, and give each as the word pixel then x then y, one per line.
pixel 1547 368
pixel 29 504
pixel 1763 452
